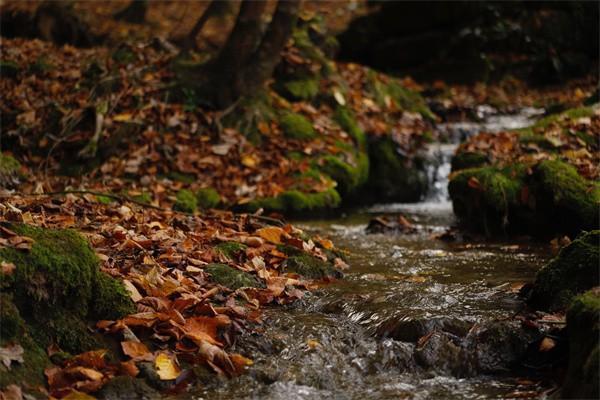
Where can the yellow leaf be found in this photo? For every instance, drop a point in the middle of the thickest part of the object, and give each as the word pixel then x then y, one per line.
pixel 326 243
pixel 165 367
pixel 547 344
pixel 250 160
pixel 271 234
pixel 124 117
pixel 312 344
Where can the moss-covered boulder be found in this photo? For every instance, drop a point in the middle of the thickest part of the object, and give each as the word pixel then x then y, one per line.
pixel 469 159
pixel 185 201
pixel 311 267
pixel 231 277
pixel 392 176
pixel 55 289
pixel 538 199
pixel 583 328
pixel 572 272
pixel 296 126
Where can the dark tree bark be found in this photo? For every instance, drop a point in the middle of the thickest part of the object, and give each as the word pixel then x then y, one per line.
pixel 134 13
pixel 215 8
pixel 246 61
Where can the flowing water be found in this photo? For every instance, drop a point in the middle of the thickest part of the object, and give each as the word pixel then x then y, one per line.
pixel 356 338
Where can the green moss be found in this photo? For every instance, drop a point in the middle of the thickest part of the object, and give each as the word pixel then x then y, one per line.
pixel 301 89
pixel 468 159
pixel 30 373
pixel 186 201
pixel 111 300
pixel 9 69
pixel 311 267
pixel 9 170
pixel 296 126
pixel 573 271
pixel 574 113
pixel 583 328
pixel 144 197
pixel 60 267
pixel 230 277
pixel 181 177
pixel 230 249
pixel 347 177
pixel 104 199
pixel 298 202
pixel 56 288
pixel 12 325
pixel 483 197
pixel 347 121
pixel 393 177
pixel 567 196
pixel 208 198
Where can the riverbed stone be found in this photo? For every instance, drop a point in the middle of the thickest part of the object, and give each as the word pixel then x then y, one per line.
pixel 410 330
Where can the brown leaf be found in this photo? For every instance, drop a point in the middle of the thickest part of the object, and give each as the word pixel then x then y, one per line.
pixel 271 234
pixel 136 350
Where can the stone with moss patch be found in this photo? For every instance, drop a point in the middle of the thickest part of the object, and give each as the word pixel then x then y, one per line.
pixel 349 175
pixel 347 121
pixel 311 267
pixel 296 126
pixel 185 201
pixel 230 277
pixel 230 249
pixel 583 328
pixel 208 198
pixel 572 272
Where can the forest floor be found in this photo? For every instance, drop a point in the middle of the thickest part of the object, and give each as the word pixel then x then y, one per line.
pixel 103 149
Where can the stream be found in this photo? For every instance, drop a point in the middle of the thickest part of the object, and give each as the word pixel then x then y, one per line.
pixel 366 336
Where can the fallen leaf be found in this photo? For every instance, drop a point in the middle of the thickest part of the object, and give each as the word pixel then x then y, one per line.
pixel 271 234
pixel 166 368
pixel 547 344
pixel 10 353
pixel 136 350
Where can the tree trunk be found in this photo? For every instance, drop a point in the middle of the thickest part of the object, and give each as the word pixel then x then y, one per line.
pixel 244 65
pixel 216 7
pixel 269 52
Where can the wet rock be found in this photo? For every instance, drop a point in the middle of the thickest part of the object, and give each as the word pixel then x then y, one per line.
pixel 390 224
pixel 441 352
pixel 127 388
pixel 413 329
pixel 497 346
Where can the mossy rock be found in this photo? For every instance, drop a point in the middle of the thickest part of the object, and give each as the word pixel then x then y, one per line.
pixel 347 121
pixel 311 267
pixel 562 195
pixel 57 288
pixel 298 202
pixel 583 328
pixel 469 159
pixel 393 177
pixel 230 277
pixel 230 249
pixel 483 197
pixel 349 175
pixel 207 198
pixel 127 388
pixel 185 201
pixel 296 126
pixel 9 171
pixel 572 272
pixel 552 198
